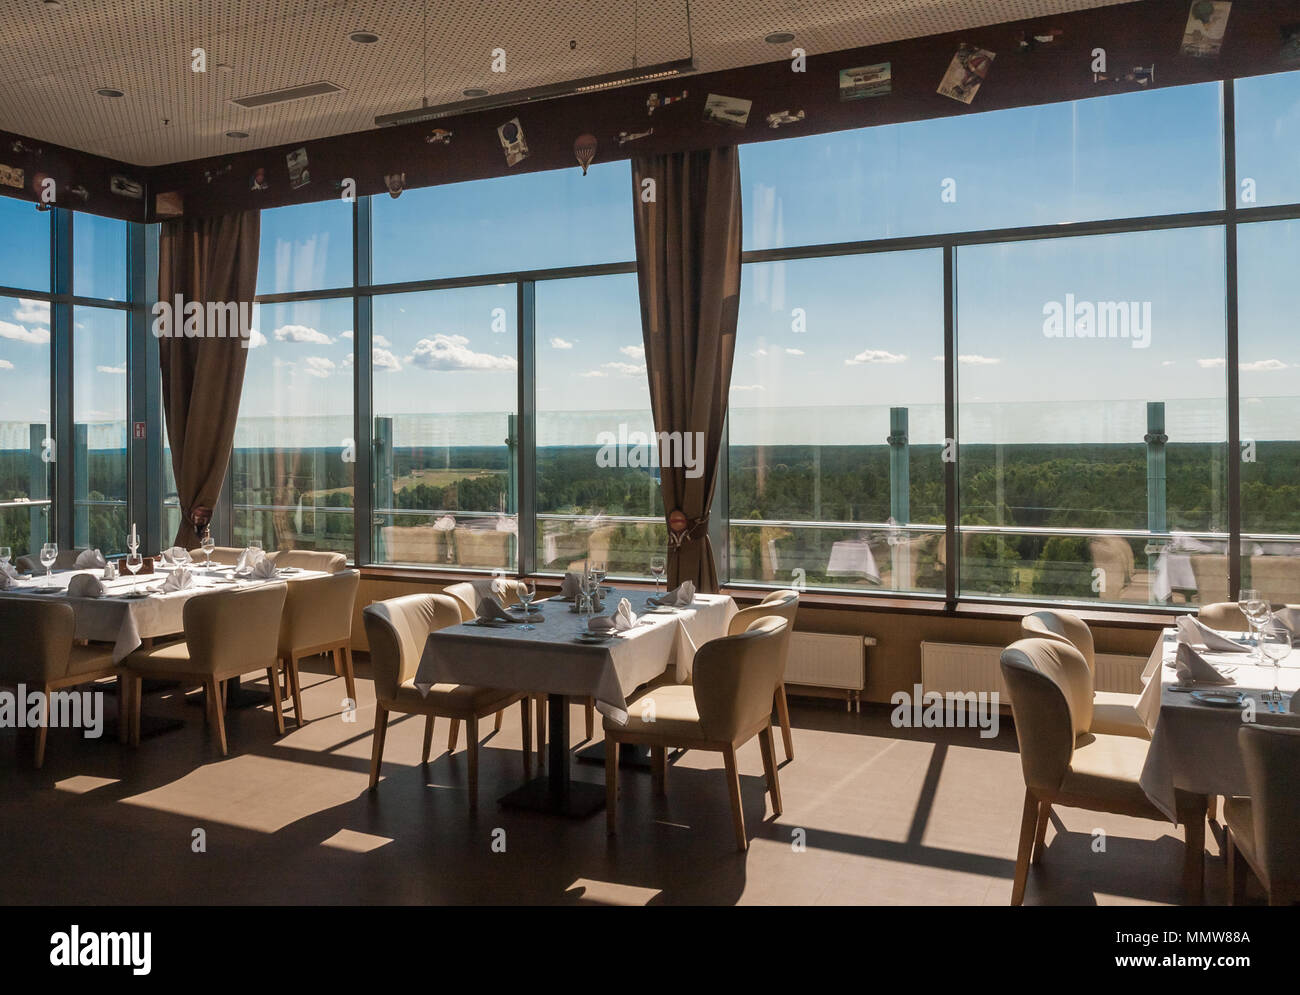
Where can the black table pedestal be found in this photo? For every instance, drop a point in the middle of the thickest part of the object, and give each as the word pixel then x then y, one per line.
pixel 556 793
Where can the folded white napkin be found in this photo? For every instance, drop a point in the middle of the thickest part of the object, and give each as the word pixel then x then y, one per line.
pixel 85 586
pixel 7 571
pixel 177 555
pixel 621 620
pixel 263 567
pixel 679 597
pixel 110 571
pixel 1194 632
pixel 180 579
pixel 571 586
pixel 7 582
pixel 248 558
pixel 1289 617
pixel 490 610
pixel 89 558
pixel 1192 668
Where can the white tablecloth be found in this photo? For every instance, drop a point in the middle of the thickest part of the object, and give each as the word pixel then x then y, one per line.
pixel 853 558
pixel 127 622
pixel 1194 746
pixel 546 660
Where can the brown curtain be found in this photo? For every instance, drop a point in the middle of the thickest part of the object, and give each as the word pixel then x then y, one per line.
pixel 688 269
pixel 204 260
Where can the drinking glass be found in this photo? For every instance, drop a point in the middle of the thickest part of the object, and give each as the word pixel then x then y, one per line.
pixel 254 543
pixel 5 554
pixel 1275 642
pixel 598 571
pixel 527 590
pixel 658 564
pixel 1257 612
pixel 49 553
pixel 590 591
pixel 134 561
pixel 207 545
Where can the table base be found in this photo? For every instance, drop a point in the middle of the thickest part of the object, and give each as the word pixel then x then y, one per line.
pixel 631 755
pixel 578 800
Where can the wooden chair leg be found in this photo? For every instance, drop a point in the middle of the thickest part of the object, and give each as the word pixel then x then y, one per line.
pixel 1212 808
pixel 349 675
pixel 733 789
pixel 1236 880
pixel 659 769
pixel 137 693
pixel 471 744
pixel 611 785
pixel 768 748
pixel 219 714
pixel 1040 834
pixel 1028 824
pixel 496 723
pixel 377 750
pixel 591 717
pixel 42 730
pixel 428 739
pixel 526 717
pixel 541 733
pixel 273 680
pixel 295 687
pixel 783 714
pixel 453 735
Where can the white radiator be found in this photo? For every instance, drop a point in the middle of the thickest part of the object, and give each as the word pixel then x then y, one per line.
pixel 822 660
pixel 968 667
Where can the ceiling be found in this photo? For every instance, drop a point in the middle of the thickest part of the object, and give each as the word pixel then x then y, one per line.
pixel 53 60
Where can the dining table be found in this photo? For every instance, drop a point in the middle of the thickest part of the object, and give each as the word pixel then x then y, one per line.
pixel 554 658
pixel 1194 754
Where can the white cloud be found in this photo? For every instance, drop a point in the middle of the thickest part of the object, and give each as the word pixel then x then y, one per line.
pixel 319 366
pixel 595 373
pixel 624 369
pixel 301 333
pixel 1169 362
pixel 33 336
pixel 794 352
pixel 634 351
pixel 6 365
pixel 1263 366
pixel 119 370
pixel 452 352
pixel 255 339
pixel 752 386
pixel 875 356
pixel 759 353
pixel 385 360
pixel 346 335
pixel 1211 364
pixel 379 340
pixel 559 343
pixel 34 312
pixel 972 359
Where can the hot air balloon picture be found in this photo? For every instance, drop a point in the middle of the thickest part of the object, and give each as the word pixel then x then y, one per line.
pixel 513 141
pixel 584 150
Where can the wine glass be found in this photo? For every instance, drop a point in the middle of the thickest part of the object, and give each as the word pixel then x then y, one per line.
pixel 5 555
pixel 589 588
pixel 254 543
pixel 1244 597
pixel 658 564
pixel 49 553
pixel 527 590
pixel 134 561
pixel 598 571
pixel 1257 613
pixel 1275 643
pixel 207 545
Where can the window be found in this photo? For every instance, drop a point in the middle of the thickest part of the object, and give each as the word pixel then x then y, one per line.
pixel 446 472
pixel 25 467
pixel 835 356
pixel 291 467
pixel 99 427
pixel 25 248
pixel 99 257
pixel 305 247
pixel 532 221
pixel 597 488
pixel 1268 139
pixel 1075 355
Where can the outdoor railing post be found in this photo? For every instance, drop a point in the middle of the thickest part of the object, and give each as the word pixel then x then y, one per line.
pixel 1157 512
pixel 38 489
pixel 900 488
pixel 383 469
pixel 80 481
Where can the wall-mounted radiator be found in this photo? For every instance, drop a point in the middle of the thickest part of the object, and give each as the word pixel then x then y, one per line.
pixel 823 660
pixel 968 667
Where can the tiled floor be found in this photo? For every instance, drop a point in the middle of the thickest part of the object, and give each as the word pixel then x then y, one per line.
pixel 873 815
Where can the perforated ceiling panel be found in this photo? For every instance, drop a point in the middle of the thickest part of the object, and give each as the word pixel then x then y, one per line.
pixel 53 60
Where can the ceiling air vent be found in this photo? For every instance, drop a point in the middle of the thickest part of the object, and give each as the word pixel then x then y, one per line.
pixel 289 93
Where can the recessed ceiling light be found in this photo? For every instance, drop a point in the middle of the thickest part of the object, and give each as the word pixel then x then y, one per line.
pixel 225 67
pixel 109 91
pixel 363 37
pixel 779 37
pixel 52 5
pixel 474 91
pixel 236 134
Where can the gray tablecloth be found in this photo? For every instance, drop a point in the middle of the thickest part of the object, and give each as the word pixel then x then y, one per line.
pixel 547 660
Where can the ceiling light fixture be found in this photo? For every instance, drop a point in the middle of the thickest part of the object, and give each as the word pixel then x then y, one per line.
pixel 236 134
pixel 363 37
pixel 474 91
pixel 52 5
pixel 588 84
pixel 109 91
pixel 779 38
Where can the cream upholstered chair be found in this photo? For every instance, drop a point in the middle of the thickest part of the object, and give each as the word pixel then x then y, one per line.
pixel 1114 713
pixel 310 559
pixel 225 555
pixel 1265 828
pixel 1276 577
pixel 729 703
pixel 1211 573
pixel 37 652
pixel 228 633
pixel 317 619
pixel 1224 616
pixel 396 630
pixel 783 604
pixel 31 563
pixel 1063 762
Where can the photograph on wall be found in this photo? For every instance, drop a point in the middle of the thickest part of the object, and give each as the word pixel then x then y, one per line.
pixel 513 141
pixel 298 175
pixel 11 176
pixel 731 111
pixel 866 81
pixel 1290 53
pixel 1206 23
pixel 966 72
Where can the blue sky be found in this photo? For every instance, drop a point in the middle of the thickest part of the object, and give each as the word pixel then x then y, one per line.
pixel 872 323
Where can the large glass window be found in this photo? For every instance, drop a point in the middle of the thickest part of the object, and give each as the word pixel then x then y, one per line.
pixel 836 423
pixel 446 432
pixel 25 247
pixel 99 257
pixel 305 247
pixel 1092 417
pixel 597 475
pixel 99 426
pixel 1268 140
pixel 25 467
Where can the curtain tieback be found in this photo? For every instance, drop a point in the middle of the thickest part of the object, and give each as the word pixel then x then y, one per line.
pixel 682 529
